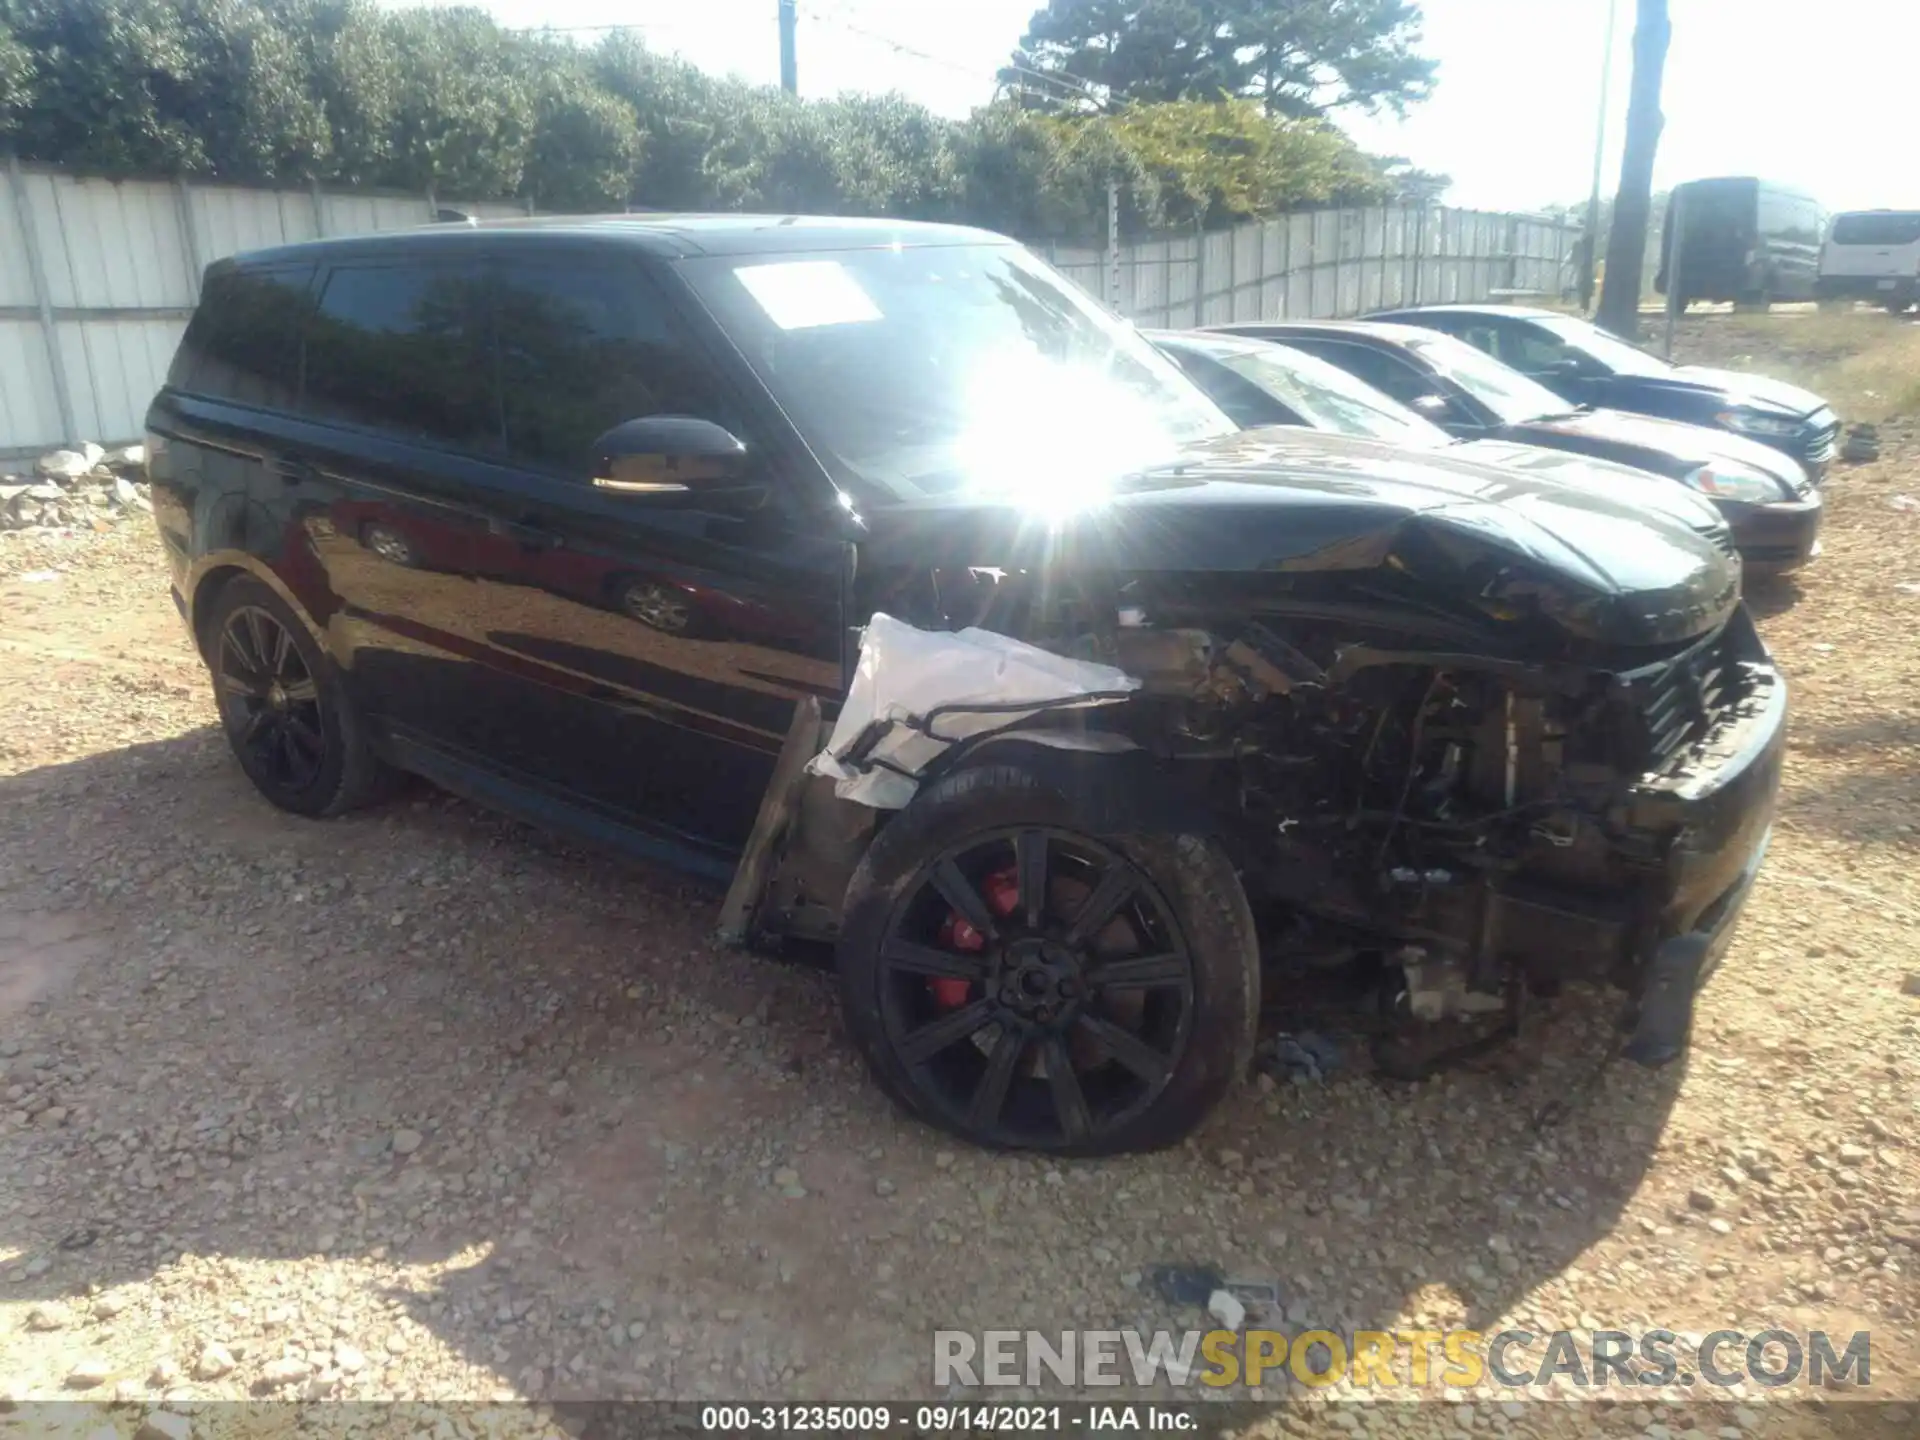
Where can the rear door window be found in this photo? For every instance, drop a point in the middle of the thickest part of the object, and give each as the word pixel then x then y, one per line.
pixel 586 347
pixel 1386 373
pixel 243 341
pixel 405 347
pixel 1244 402
pixel 1889 230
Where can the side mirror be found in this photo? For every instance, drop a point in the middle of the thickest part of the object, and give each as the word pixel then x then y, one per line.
pixel 671 455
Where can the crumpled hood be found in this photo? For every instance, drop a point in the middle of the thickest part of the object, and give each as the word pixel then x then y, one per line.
pixel 1672 447
pixel 1742 388
pixel 1440 525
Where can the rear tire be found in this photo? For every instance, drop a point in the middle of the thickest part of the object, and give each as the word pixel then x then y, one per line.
pixel 657 606
pixel 1081 1024
pixel 390 545
pixel 284 707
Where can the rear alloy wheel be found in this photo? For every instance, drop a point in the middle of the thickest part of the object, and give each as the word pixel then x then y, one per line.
pixel 283 708
pixel 660 606
pixel 1031 986
pixel 390 545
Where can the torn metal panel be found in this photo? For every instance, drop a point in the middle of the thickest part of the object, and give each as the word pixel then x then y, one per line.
pixel 918 692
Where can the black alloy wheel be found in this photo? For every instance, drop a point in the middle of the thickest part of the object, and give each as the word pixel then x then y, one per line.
pixel 1027 984
pixel 270 700
pixel 283 707
pixel 1077 1004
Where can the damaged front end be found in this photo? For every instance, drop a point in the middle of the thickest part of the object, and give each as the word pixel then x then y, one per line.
pixel 1467 769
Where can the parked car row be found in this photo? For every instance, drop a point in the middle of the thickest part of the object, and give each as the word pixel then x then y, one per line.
pixel 1442 367
pixel 1377 665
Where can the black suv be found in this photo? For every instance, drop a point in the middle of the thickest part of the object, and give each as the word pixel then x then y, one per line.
pixel 586 519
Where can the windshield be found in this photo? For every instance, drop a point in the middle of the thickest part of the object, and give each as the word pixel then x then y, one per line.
pixel 1610 351
pixel 1510 395
pixel 942 370
pixel 1328 398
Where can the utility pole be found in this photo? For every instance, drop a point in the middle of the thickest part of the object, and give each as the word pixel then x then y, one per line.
pixel 789 70
pixel 1590 246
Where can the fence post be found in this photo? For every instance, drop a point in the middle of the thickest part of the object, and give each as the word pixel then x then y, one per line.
pixel 1199 275
pixel 1419 255
pixel 1384 227
pixel 183 204
pixel 1286 265
pixel 43 298
pixel 1113 244
pixel 319 209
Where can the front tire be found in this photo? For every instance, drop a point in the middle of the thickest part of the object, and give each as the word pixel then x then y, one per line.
pixel 1027 985
pixel 284 708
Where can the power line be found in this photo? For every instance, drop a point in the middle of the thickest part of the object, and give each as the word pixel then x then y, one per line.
pixel 1078 90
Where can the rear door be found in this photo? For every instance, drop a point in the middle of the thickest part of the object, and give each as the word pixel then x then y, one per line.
pixel 399 413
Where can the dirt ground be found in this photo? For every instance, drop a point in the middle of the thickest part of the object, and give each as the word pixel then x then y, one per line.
pixel 424 1104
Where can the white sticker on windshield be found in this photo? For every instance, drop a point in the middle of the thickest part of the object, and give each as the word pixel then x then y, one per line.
pixel 801 294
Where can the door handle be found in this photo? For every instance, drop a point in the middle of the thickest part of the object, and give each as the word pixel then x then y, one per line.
pixel 293 472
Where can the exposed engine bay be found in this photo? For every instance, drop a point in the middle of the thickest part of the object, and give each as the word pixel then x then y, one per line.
pixel 1440 812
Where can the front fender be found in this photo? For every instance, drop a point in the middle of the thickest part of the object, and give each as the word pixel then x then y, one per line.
pixel 1114 791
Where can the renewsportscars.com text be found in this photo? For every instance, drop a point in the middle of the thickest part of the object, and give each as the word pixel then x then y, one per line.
pixel 1461 1359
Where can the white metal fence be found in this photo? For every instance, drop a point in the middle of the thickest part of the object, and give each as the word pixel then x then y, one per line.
pixel 1324 264
pixel 98 277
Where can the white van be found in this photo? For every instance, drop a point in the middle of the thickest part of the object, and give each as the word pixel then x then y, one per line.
pixel 1872 255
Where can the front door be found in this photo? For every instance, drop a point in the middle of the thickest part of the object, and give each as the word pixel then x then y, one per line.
pixel 673 638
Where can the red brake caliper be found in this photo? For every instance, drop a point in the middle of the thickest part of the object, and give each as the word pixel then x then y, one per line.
pixel 1003 897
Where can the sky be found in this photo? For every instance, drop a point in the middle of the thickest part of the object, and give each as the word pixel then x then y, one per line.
pixel 1813 95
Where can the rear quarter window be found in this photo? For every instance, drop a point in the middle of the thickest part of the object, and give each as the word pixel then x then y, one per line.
pixel 242 343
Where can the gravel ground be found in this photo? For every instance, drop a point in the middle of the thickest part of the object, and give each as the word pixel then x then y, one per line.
pixel 425 1105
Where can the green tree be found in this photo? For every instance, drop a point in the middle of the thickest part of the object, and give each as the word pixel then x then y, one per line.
pixel 676 108
pixel 16 79
pixel 892 157
pixel 108 78
pixel 1015 170
pixel 245 95
pixel 1297 57
pixel 587 144
pixel 353 71
pixel 464 115
pixel 1227 160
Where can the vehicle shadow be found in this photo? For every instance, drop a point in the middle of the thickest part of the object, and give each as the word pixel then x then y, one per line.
pixel 424 1078
pixel 1770 595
